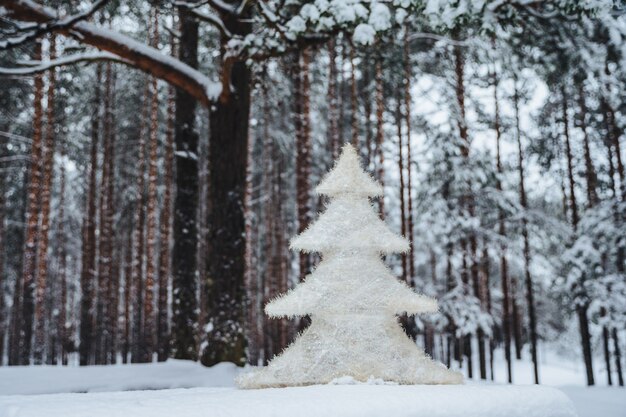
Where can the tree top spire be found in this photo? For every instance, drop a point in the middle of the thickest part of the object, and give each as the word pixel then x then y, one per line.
pixel 348 178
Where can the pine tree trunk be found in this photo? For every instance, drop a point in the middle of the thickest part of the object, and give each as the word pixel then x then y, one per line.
pixel 128 288
pixel 64 340
pixel 44 213
pixel 403 256
pixel 303 158
pixel 148 341
pixel 137 272
pixel 228 157
pixel 3 311
pixel 380 134
pixel 105 238
pixel 504 276
pixel 468 203
pixel 582 304
pixel 112 251
pixel 184 265
pixel 409 156
pixel 530 302
pixel 333 122
pixel 165 233
pixel 29 263
pixel 88 256
pixel 353 101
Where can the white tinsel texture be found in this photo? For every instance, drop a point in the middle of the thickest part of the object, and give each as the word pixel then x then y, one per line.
pixel 352 298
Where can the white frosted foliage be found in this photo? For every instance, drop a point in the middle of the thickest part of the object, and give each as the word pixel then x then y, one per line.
pixel 352 297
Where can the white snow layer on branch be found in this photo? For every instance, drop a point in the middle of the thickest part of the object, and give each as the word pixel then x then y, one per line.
pixel 352 298
pixel 83 29
pixel 32 67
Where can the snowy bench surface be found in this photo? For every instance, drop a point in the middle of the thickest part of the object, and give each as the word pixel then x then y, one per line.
pixel 313 401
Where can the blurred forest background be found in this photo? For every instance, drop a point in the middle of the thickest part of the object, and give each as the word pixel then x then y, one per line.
pixel 157 156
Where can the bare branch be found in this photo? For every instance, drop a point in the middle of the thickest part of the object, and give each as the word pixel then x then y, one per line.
pixel 213 20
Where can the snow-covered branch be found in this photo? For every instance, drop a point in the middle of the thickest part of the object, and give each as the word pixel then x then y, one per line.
pixel 135 53
pixel 34 67
pixel 35 31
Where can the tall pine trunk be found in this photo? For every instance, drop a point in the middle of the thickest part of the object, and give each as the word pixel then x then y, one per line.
pixel 29 264
pixel 88 267
pixel 149 328
pixel 44 213
pixel 166 232
pixel 139 224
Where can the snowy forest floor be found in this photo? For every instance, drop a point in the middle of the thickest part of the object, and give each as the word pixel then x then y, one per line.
pixel 24 391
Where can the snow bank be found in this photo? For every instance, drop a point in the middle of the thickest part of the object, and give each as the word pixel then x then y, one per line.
pixel 313 401
pixel 154 376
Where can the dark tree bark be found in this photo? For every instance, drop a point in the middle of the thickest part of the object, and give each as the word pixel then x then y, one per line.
pixel 228 156
pixel 29 264
pixel 88 256
pixel 184 315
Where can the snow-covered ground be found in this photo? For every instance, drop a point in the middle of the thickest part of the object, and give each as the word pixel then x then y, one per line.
pixel 131 390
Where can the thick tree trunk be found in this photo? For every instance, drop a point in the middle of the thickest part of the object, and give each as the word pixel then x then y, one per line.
pixel 44 213
pixel 29 263
pixel 228 156
pixel 582 303
pixel 88 256
pixel 530 302
pixel 185 229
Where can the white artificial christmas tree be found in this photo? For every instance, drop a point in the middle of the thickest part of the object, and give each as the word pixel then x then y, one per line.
pixel 352 297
